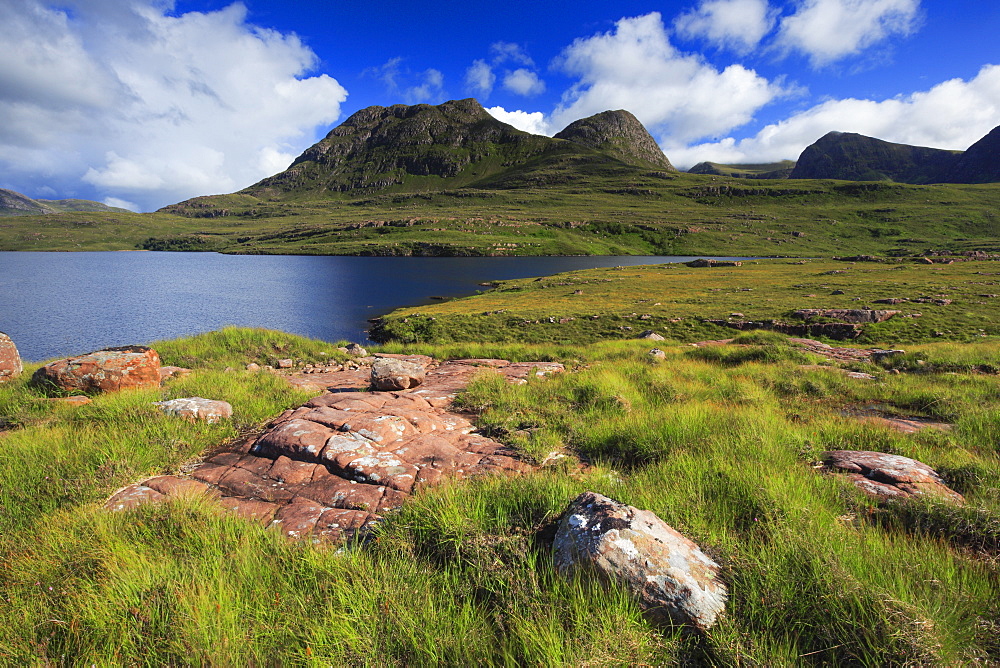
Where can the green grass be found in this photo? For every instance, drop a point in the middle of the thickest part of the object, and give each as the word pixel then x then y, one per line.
pixel 586 209
pixel 462 575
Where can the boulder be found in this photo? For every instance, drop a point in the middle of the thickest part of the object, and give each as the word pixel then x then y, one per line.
pixel 10 360
pixel 355 350
pixel 285 363
pixel 674 581
pixel 886 476
pixel 650 335
pixel 393 374
pixel 107 370
pixel 197 408
pixel 656 353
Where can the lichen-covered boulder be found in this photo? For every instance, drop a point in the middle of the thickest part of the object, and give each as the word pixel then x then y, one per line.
pixel 673 580
pixel 107 370
pixel 886 476
pixel 197 408
pixel 10 359
pixel 390 374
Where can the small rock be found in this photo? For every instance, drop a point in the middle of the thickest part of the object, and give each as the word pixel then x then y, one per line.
pixel 888 476
pixel 393 374
pixel 197 408
pixel 253 366
pixel 71 401
pixel 10 359
pixel 837 292
pixel 673 580
pixel 657 353
pixel 880 355
pixel 355 350
pixel 736 315
pixel 285 364
pixel 173 371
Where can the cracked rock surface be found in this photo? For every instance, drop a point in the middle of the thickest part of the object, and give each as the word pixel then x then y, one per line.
pixel 330 468
pixel 886 476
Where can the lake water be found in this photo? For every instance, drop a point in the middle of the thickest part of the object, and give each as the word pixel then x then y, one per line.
pixel 60 304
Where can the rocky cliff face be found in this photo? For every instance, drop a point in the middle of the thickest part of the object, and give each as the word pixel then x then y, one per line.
pixel 619 134
pixel 854 157
pixel 980 163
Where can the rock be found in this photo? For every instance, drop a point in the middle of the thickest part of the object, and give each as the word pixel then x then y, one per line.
pixel 197 408
pixel 851 315
pixel 285 364
pixel 650 335
pixel 882 355
pixel 886 476
pixel 107 370
pixel 355 350
pixel 837 292
pixel 736 315
pixel 10 359
pixel 657 353
pixel 253 366
pixel 673 580
pixel 395 374
pixel 173 371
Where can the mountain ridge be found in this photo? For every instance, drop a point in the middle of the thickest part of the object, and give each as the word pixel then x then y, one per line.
pixel 13 203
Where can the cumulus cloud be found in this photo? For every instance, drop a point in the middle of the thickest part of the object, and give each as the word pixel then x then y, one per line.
pixel 735 24
pixel 828 30
pixel 635 67
pixel 149 107
pixel 479 78
pixel 534 122
pixel 951 115
pixel 503 52
pixel 523 82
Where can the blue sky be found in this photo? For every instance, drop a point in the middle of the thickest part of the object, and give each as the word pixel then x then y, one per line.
pixel 143 103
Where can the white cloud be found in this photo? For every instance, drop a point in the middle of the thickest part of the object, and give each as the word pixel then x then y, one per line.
pixel 412 87
pixel 635 67
pixel 523 82
pixel 121 203
pixel 503 52
pixel 828 30
pixel 149 106
pixel 736 24
pixel 533 122
pixel 952 115
pixel 479 78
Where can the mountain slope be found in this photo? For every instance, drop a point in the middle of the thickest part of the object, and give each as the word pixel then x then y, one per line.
pixel 771 170
pixel 980 163
pixel 853 157
pixel 619 134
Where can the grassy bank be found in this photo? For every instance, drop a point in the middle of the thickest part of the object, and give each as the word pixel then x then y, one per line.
pixel 721 446
pixel 675 301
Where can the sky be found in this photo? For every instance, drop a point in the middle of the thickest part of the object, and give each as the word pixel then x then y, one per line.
pixel 143 103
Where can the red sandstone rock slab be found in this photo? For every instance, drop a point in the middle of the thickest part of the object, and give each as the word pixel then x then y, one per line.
pixel 108 370
pixel 889 476
pixel 10 359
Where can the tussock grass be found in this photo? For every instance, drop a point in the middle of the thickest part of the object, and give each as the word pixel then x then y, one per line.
pixel 818 573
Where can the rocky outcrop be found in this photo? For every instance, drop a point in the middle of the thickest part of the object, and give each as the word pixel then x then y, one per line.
pixel 887 477
pixel 197 408
pixel 108 370
pixel 10 359
pixel 850 315
pixel 619 134
pixel 673 580
pixel 396 374
pixel 329 469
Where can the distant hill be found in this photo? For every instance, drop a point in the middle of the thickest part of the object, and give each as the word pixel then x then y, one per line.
pixel 620 134
pixel 770 170
pixel 15 204
pixel 853 157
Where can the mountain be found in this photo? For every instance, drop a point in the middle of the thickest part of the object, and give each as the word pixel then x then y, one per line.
pixel 15 204
pixel 426 148
pixel 771 170
pixel 980 163
pixel 853 157
pixel 619 134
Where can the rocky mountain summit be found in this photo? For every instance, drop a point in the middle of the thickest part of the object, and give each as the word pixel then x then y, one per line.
pixel 619 134
pixel 451 145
